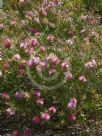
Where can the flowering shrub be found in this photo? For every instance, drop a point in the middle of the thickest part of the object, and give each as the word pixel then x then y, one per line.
pixel 50 64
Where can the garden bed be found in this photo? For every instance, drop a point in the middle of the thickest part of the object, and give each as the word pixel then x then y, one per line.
pixel 50 69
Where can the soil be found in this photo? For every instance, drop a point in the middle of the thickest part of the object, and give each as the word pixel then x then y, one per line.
pixel 92 128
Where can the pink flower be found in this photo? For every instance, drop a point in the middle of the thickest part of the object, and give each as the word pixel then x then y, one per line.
pixel 72 117
pixel 37 34
pixel 36 119
pixel 55 60
pixel 5 96
pixel 17 57
pixel 23 45
pixel 36 60
pixel 50 38
pixel 90 64
pixel 65 65
pixel 43 65
pixel 72 104
pixel 7 43
pixel 19 96
pixel 16 133
pixel 52 71
pixel 45 117
pixel 33 62
pixel 40 102
pixel 37 93
pixel 52 109
pixel 34 42
pixel 10 111
pixel 82 78
pixel 52 58
pixel 68 76
pixel 42 49
pixel 28 132
pixel 43 11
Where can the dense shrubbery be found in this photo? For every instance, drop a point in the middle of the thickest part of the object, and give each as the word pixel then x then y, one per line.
pixel 50 64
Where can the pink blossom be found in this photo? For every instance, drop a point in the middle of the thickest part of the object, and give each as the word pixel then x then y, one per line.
pixel 82 78
pixel 36 60
pixel 55 60
pixel 36 119
pixel 37 93
pixel 37 34
pixel 52 109
pixel 65 65
pixel 19 96
pixel 34 42
pixel 72 117
pixel 29 14
pixel 43 11
pixel 52 71
pixel 43 65
pixel 50 38
pixel 90 64
pixel 42 49
pixel 16 133
pixel 5 96
pixel 51 4
pixel 10 111
pixel 40 102
pixel 7 43
pixel 33 62
pixel 45 117
pixel 72 104
pixel 23 45
pixel 17 57
pixel 68 76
